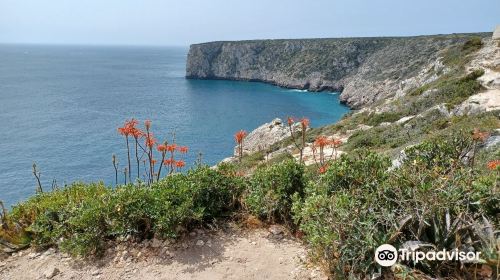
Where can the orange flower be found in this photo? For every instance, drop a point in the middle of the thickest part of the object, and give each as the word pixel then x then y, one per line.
pixel 180 164
pixel 494 164
pixel 171 148
pixel 304 122
pixel 124 131
pixel 137 133
pixel 321 141
pixel 150 140
pixel 322 169
pixel 130 129
pixel 290 120
pixel 336 142
pixel 153 161
pixel 169 161
pixel 183 149
pixel 132 123
pixel 239 136
pixel 161 148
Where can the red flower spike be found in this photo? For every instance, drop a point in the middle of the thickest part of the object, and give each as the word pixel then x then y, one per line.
pixel 305 122
pixel 150 140
pixel 147 124
pixel 169 161
pixel 171 148
pixel 239 136
pixel 494 164
pixel 183 149
pixel 336 143
pixel 161 148
pixel 322 169
pixel 321 141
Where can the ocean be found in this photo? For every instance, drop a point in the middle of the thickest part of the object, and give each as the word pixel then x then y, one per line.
pixel 61 106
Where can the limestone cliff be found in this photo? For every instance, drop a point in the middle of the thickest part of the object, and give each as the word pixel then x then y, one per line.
pixel 364 70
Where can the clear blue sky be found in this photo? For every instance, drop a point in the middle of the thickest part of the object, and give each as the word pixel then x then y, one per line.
pixel 182 22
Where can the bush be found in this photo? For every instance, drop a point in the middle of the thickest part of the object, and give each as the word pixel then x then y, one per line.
pixel 458 56
pixel 363 169
pixel 80 218
pixel 358 204
pixel 473 44
pixel 215 192
pixel 376 119
pixel 271 189
pixel 341 212
pixel 49 218
pixel 363 139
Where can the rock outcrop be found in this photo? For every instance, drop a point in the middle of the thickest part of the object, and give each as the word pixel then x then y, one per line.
pixel 261 138
pixel 364 70
pixel 488 60
pixel 496 33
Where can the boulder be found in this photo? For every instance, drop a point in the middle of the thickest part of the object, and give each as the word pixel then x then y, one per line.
pixel 479 103
pixel 276 229
pixel 496 33
pixel 264 136
pixel 51 272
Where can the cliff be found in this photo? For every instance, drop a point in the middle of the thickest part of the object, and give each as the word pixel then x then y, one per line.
pixel 364 70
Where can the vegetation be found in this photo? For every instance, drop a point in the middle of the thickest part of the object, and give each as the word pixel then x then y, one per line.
pixel 238 137
pixel 298 134
pixel 80 218
pixel 441 193
pixel 270 191
pixel 358 205
pixel 152 169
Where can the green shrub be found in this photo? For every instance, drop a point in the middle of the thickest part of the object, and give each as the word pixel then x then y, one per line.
pixel 472 45
pixel 80 218
pixel 362 169
pixel 85 230
pixel 341 212
pixel 376 119
pixel 46 217
pixel 358 204
pixel 458 56
pixel 271 189
pixel 364 139
pixel 174 207
pixel 215 192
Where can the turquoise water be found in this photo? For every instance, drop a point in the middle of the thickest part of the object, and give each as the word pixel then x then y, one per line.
pixel 60 107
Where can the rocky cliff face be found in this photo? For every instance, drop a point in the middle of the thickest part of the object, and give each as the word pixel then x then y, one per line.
pixel 364 70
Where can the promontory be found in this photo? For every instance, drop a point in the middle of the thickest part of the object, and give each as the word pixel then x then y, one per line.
pixel 364 70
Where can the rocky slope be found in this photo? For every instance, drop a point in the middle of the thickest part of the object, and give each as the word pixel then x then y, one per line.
pixel 430 79
pixel 487 59
pixel 363 69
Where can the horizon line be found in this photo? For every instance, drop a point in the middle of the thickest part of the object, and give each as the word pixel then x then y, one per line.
pixel 88 44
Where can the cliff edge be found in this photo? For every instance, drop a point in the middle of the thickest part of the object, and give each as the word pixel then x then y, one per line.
pixel 364 70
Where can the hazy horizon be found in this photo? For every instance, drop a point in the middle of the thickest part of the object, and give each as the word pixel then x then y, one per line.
pixel 181 23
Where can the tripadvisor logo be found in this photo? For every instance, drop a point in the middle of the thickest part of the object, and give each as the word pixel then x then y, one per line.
pixel 388 255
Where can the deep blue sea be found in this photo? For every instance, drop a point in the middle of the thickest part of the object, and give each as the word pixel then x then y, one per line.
pixel 60 107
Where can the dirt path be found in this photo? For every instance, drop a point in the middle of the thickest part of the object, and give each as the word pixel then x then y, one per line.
pixel 232 254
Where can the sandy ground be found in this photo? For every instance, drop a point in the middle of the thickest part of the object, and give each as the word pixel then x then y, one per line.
pixel 228 254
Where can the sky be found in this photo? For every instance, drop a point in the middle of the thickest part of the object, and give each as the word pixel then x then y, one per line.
pixel 183 22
